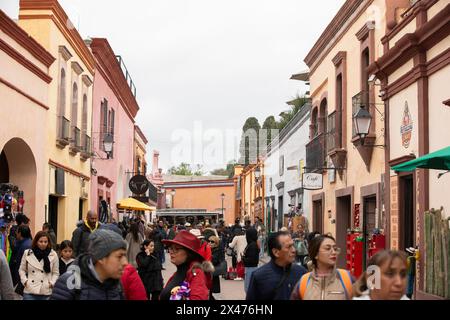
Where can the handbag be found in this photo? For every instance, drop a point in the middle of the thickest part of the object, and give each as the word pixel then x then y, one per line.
pixel 220 269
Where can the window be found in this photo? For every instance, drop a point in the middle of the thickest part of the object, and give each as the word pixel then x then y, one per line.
pixel 74 115
pixel 103 122
pixel 331 132
pixel 339 112
pixel 62 131
pixel 84 118
pixel 314 128
pixel 281 168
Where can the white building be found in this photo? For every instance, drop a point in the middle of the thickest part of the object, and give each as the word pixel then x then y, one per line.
pixel 282 169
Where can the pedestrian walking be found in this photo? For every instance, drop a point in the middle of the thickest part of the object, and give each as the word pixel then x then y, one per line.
pixel 158 236
pixel 250 257
pixel 238 244
pixel 66 256
pixel 46 227
pixel 6 285
pixel 276 279
pixel 21 219
pixel 39 268
pixel 80 236
pixel 259 226
pixel 95 275
pixel 192 279
pixel 149 269
pixel 134 240
pixel 219 263
pixel 133 288
pixel 391 268
pixel 325 282
pixel 23 242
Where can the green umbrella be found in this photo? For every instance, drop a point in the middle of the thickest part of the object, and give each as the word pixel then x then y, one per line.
pixel 439 160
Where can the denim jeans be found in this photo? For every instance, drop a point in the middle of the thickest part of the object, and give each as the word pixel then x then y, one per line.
pixel 262 241
pixel 248 275
pixel 28 296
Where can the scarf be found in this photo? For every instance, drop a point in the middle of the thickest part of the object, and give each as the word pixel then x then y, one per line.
pixel 89 227
pixel 176 281
pixel 43 254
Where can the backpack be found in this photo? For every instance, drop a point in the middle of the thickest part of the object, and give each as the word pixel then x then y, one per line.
pixel 344 277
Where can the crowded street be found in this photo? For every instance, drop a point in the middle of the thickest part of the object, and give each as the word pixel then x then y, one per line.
pixel 253 153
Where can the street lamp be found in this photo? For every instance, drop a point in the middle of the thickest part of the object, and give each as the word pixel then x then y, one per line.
pixel 223 198
pixel 362 120
pixel 108 143
pixel 257 173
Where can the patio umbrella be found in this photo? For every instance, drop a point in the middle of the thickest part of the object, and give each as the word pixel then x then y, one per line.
pixel 439 160
pixel 133 204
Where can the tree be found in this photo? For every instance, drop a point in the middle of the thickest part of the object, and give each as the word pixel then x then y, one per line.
pixel 270 124
pixel 185 169
pixel 248 148
pixel 228 171
pixel 295 106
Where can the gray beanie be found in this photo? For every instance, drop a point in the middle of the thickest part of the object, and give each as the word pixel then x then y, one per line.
pixel 102 242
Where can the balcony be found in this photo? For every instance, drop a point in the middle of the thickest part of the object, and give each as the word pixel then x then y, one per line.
pixel 315 153
pixel 75 141
pixel 63 138
pixel 86 148
pixel 337 154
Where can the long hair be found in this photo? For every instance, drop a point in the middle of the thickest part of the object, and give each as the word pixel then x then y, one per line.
pixel 134 230
pixel 38 236
pixel 378 259
pixel 314 247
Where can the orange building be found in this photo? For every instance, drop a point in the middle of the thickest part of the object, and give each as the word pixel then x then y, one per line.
pixel 206 197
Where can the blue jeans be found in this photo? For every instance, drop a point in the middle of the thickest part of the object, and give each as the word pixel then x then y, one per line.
pixel 262 241
pixel 28 296
pixel 248 275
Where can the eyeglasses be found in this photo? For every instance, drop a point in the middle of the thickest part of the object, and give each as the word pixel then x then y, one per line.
pixel 329 248
pixel 175 249
pixel 212 242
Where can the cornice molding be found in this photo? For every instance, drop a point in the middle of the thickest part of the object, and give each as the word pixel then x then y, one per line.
pixel 87 80
pixel 77 68
pixel 339 57
pixel 363 33
pixel 65 53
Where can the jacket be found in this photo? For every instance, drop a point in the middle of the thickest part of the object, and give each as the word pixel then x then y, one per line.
pixel 80 238
pixel 6 286
pixel 149 269
pixel 266 279
pixel 217 257
pixel 63 266
pixel 239 244
pixel 251 253
pixel 82 273
pixel 319 288
pixel 133 248
pixel 133 288
pixel 199 279
pixel 16 258
pixel 32 273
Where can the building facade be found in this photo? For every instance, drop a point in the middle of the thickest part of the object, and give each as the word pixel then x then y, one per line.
pixel 414 75
pixel 352 166
pixel 68 129
pixel 283 165
pixel 114 110
pixel 24 89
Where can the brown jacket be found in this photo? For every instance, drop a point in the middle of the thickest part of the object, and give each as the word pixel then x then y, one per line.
pixel 320 288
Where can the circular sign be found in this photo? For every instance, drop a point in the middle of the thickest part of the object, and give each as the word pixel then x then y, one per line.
pixel 139 184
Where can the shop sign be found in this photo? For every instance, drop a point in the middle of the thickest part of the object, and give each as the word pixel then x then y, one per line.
pixel 406 127
pixel 139 184
pixel 312 181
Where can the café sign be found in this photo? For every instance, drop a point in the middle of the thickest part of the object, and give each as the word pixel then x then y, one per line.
pixel 312 181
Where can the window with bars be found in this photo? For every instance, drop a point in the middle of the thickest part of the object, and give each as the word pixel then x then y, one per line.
pixel 331 132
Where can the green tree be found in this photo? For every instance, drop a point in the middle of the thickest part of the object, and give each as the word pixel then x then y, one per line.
pixel 185 169
pixel 248 147
pixel 228 171
pixel 295 105
pixel 270 124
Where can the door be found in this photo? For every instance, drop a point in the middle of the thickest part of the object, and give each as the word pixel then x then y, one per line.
pixel 343 222
pixel 317 216
pixel 80 209
pixel 406 200
pixel 53 213
pixel 280 213
pixel 370 206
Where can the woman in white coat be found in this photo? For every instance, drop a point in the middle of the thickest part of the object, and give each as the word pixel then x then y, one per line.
pixel 39 269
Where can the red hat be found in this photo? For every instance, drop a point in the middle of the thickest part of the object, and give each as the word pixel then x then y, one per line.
pixel 188 241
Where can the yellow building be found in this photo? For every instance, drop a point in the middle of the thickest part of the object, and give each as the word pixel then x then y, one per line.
pixel 250 192
pixel 140 151
pixel 351 197
pixel 69 116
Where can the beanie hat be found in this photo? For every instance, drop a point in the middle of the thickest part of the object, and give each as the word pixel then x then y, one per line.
pixel 102 242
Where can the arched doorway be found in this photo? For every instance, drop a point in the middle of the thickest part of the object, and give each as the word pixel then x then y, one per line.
pixel 18 167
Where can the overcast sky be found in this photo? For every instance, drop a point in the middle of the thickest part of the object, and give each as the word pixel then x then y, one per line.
pixel 204 63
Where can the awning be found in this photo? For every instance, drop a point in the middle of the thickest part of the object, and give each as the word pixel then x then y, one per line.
pixel 133 204
pixel 439 160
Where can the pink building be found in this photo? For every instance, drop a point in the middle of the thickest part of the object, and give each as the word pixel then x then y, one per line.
pixel 114 110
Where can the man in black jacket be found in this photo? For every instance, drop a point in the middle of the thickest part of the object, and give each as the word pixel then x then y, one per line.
pixel 80 237
pixel 96 274
pixel 251 255
pixel 276 279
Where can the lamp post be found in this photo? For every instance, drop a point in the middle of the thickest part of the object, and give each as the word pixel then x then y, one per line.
pixel 222 196
pixel 257 174
pixel 362 121
pixel 108 143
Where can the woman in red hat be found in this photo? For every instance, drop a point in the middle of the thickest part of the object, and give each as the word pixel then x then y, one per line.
pixel 192 279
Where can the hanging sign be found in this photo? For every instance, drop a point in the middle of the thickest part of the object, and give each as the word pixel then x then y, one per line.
pixel 406 127
pixel 139 184
pixel 312 181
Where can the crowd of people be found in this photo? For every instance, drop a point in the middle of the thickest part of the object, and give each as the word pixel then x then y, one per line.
pixel 124 261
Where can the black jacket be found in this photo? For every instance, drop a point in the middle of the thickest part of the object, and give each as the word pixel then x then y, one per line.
pixel 149 269
pixel 218 256
pixel 63 266
pixel 80 238
pixel 90 289
pixel 251 253
pixel 265 280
